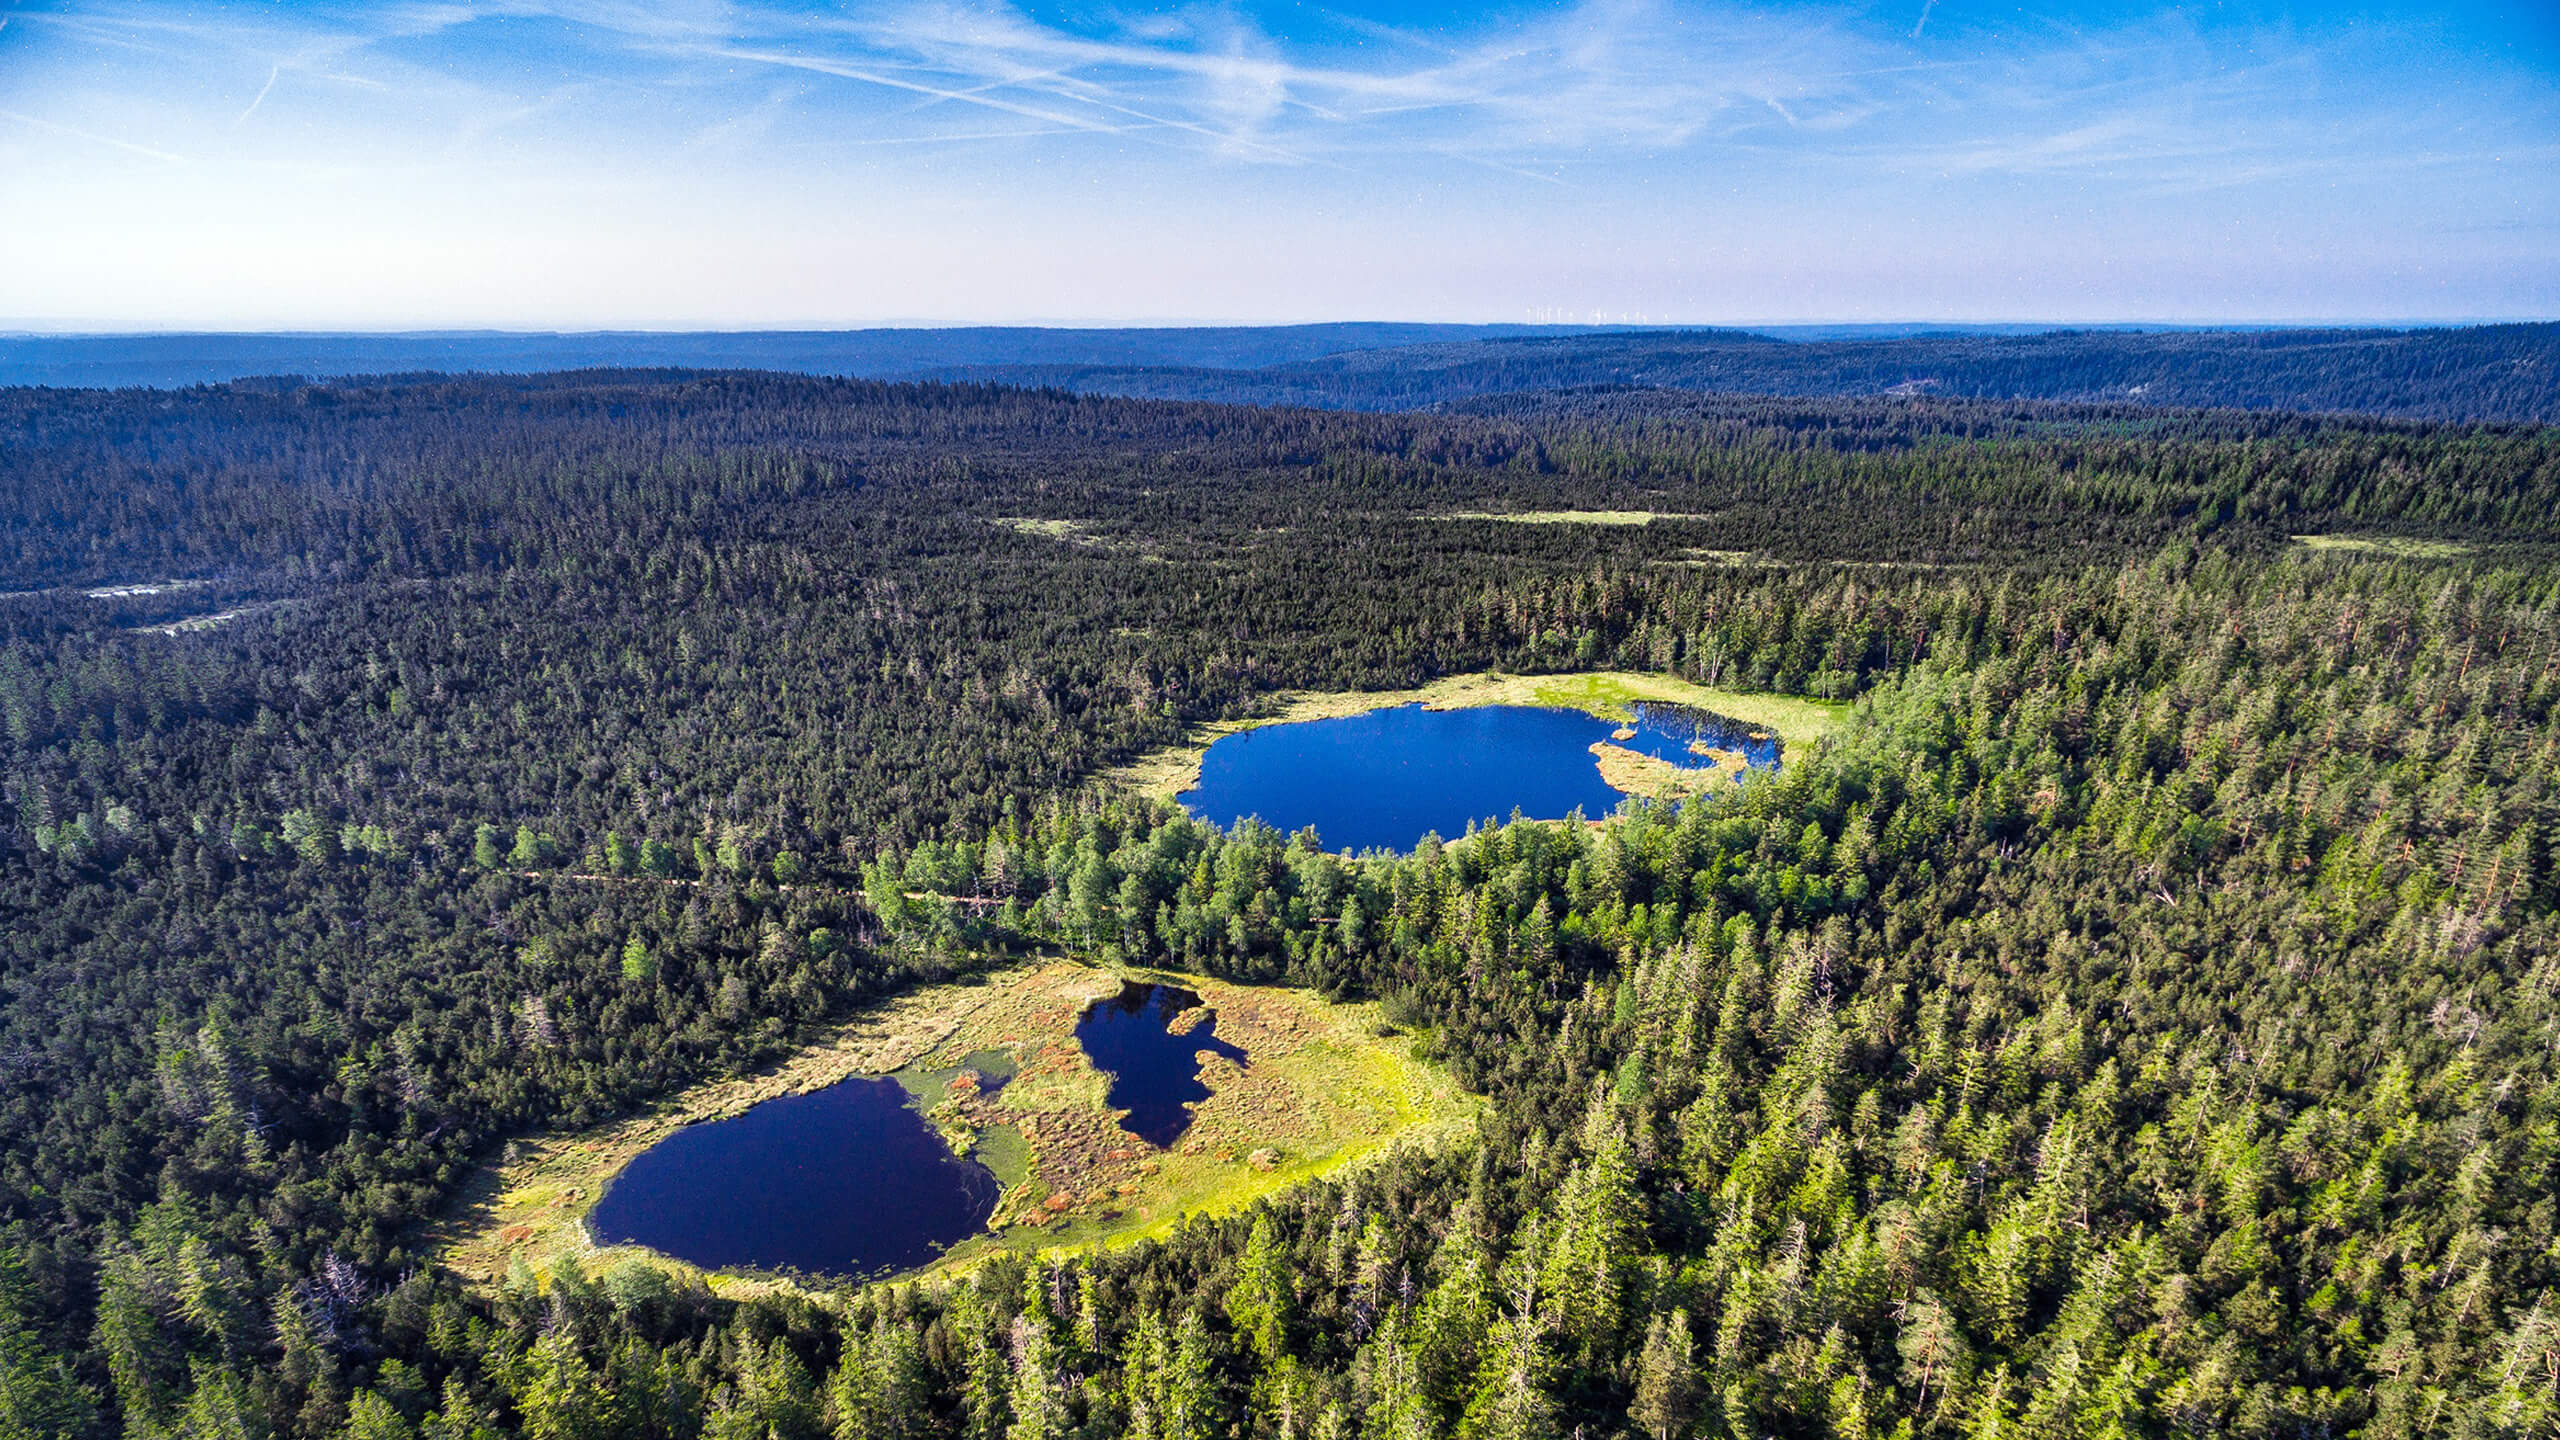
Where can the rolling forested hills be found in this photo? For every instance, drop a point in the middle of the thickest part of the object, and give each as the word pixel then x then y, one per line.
pixel 2492 372
pixel 109 361
pixel 2142 1019
pixel 2480 373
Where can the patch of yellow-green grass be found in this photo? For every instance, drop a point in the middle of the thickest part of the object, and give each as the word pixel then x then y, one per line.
pixel 1078 532
pixel 1632 772
pixel 1568 517
pixel 1324 1087
pixel 1608 694
pixel 142 587
pixel 1064 1082
pixel 1611 694
pixel 996 1068
pixel 1072 531
pixel 1694 557
pixel 194 623
pixel 1005 1153
pixel 2394 547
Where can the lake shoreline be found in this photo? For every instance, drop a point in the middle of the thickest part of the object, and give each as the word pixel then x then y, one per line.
pixel 1607 695
pixel 1322 1089
pixel 529 1204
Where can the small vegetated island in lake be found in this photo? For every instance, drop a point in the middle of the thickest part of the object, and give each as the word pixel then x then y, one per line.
pixel 1045 1106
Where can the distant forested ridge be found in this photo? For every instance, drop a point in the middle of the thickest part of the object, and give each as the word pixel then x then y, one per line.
pixel 2142 1021
pixel 2489 372
pixel 2474 373
pixel 110 361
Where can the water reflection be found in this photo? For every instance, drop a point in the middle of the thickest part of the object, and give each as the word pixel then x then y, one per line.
pixel 848 1180
pixel 1384 779
pixel 1148 1043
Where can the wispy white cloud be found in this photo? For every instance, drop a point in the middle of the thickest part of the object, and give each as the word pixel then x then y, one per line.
pixel 261 97
pixel 747 126
pixel 86 137
pixel 1603 75
pixel 1701 138
pixel 1576 85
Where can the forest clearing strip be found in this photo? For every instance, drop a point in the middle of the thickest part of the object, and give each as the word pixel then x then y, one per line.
pixel 2393 547
pixel 1568 517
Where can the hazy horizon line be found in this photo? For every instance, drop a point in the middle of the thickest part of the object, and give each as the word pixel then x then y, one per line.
pixel 22 328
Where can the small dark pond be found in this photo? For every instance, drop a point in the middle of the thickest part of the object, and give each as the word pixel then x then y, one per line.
pixel 848 1180
pixel 1153 1070
pixel 1385 779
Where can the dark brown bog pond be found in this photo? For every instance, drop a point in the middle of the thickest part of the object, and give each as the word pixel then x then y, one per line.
pixel 1152 1059
pixel 851 1180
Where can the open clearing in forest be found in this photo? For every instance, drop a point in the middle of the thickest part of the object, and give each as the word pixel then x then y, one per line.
pixel 194 624
pixel 1071 531
pixel 1568 517
pixel 1323 1087
pixel 1696 557
pixel 1798 723
pixel 136 589
pixel 2392 547
pixel 1074 532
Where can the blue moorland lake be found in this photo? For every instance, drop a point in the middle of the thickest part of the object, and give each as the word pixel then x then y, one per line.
pixel 1153 1070
pixel 1385 779
pixel 848 1180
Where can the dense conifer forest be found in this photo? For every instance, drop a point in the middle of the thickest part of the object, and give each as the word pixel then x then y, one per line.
pixel 2141 1019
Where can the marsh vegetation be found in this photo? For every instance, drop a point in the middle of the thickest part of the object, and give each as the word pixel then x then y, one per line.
pixel 1093 1106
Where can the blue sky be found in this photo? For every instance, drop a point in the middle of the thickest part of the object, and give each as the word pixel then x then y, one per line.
pixel 594 163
